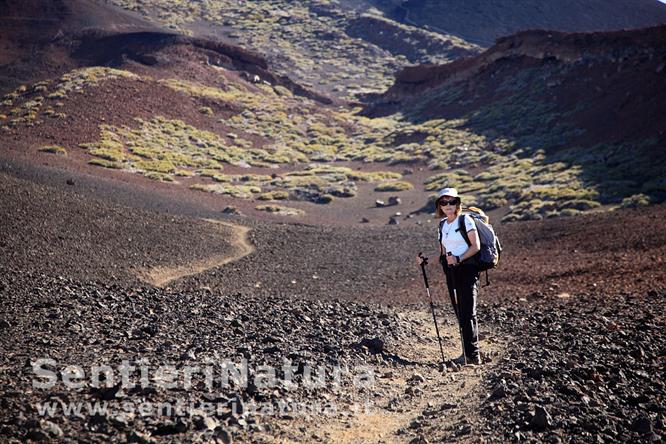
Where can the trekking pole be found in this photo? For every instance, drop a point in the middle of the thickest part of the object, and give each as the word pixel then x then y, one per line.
pixel 424 262
pixel 478 340
pixel 456 309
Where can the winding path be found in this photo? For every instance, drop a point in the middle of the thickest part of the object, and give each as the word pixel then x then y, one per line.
pixel 160 276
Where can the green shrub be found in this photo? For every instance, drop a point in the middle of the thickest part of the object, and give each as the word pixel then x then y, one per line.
pixel 108 154
pixel 580 204
pixel 54 149
pixel 274 195
pixel 276 209
pixel 239 191
pixel 567 212
pixel 511 217
pixel 105 163
pixel 394 186
pixel 158 166
pixel 375 176
pixel 635 201
pixel 161 177
pixel 208 172
pixel 325 198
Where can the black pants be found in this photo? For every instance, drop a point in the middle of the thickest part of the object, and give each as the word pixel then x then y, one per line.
pixel 466 279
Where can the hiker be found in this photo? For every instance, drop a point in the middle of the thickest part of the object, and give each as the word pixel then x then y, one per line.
pixel 461 272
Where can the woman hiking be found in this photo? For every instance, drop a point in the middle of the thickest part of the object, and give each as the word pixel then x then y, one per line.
pixel 462 275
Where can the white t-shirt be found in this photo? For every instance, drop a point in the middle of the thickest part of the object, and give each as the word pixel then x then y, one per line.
pixel 452 240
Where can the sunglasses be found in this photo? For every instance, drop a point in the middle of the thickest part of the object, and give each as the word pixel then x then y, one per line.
pixel 449 202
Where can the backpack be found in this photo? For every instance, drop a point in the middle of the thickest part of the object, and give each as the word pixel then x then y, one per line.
pixel 491 248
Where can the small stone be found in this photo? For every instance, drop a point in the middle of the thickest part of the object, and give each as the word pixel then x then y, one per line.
pixel 272 350
pixel 205 423
pixel 119 421
pixel 70 182
pixel 142 438
pixel 541 418
pixel 230 210
pixel 52 429
pixel 498 392
pixel 223 435
pixel 374 345
pixel 170 428
pixel 415 424
pixel 237 405
pixel 4 324
pixel 108 393
pixel 642 425
pixel 394 200
pixel 417 378
pixel 37 435
pixel 638 354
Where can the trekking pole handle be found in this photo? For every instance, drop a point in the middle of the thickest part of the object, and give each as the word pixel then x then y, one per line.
pixel 448 253
pixel 424 262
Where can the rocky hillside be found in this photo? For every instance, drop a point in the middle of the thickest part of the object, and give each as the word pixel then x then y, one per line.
pixel 312 41
pixel 572 348
pixel 483 21
pixel 37 37
pixel 184 188
pixel 517 128
pixel 174 109
pixel 556 102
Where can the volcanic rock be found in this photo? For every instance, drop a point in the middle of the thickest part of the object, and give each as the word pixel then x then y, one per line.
pixel 541 418
pixel 374 345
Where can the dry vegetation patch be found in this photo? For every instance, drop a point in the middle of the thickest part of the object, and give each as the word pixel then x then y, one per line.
pixel 313 41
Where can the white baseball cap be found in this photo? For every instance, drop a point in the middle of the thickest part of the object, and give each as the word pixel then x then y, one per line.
pixel 447 192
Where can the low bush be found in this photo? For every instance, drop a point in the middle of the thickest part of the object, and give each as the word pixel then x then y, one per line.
pixel 161 177
pixel 635 201
pixel 54 149
pixel 394 186
pixel 283 211
pixel 105 163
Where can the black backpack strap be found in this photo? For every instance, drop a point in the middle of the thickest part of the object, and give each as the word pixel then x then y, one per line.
pixel 463 231
pixel 441 224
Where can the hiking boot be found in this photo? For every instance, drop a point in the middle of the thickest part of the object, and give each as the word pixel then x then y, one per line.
pixel 475 360
pixel 460 360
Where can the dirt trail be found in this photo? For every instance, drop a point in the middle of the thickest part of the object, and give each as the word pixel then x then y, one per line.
pixel 409 399
pixel 160 276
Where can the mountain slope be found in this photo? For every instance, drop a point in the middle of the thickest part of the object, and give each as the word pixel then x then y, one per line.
pixel 194 116
pixel 483 21
pixel 333 47
pixel 517 128
pixel 37 36
pixel 569 100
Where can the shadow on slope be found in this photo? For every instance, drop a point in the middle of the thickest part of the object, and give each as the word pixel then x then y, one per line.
pixel 483 21
pixel 44 41
pixel 587 101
